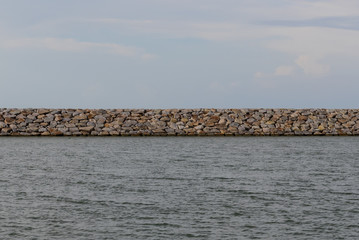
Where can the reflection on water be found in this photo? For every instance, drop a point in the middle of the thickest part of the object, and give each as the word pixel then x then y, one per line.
pixel 179 188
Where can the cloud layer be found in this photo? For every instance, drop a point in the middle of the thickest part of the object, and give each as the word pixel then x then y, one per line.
pixel 154 51
pixel 72 45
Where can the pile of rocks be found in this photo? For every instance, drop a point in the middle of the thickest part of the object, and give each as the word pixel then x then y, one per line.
pixel 180 122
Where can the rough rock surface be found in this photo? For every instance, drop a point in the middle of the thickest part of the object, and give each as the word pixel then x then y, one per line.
pixel 178 122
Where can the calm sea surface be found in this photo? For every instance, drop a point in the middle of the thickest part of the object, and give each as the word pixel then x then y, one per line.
pixel 179 188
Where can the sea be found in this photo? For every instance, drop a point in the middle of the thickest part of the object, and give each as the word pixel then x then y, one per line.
pixel 179 188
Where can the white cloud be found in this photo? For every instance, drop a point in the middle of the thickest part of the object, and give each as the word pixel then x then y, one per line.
pixel 71 45
pixel 235 84
pixel 307 45
pixel 311 45
pixel 213 31
pixel 315 41
pixel 259 75
pixel 311 66
pixel 239 13
pixel 284 71
pixel 300 9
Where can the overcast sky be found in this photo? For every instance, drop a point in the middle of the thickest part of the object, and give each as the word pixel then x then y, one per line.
pixel 179 53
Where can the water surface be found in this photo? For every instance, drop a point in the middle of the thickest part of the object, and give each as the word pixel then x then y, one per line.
pixel 179 188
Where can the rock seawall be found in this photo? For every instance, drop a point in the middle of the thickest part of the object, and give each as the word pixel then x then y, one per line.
pixel 178 122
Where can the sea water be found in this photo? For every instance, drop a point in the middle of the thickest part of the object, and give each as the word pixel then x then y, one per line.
pixel 179 188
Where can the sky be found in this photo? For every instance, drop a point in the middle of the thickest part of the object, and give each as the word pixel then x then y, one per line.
pixel 179 54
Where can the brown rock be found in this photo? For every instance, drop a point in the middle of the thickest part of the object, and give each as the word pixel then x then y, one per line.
pixel 86 129
pixel 81 116
pixel 9 120
pixel 43 111
pixel 321 128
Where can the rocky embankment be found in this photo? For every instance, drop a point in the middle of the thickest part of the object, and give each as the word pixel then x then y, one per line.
pixel 180 122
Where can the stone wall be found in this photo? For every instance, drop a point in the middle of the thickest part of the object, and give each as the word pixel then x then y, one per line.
pixel 180 122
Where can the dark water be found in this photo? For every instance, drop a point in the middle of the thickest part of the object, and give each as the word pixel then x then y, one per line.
pixel 179 188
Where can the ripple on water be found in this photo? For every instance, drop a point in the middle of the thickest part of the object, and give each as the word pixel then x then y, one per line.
pixel 179 188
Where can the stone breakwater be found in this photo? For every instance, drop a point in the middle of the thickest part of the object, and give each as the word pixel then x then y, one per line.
pixel 179 122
